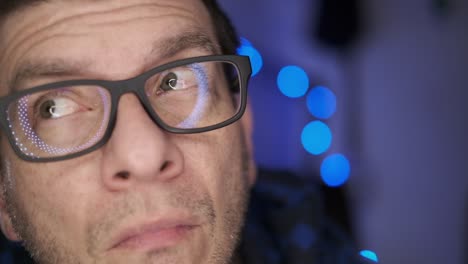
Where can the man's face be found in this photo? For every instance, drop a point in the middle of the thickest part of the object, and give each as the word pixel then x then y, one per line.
pixel 147 196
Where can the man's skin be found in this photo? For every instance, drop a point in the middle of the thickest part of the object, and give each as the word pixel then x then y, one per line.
pixel 75 211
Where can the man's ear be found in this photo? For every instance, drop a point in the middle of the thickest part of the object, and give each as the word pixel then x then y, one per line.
pixel 247 126
pixel 5 219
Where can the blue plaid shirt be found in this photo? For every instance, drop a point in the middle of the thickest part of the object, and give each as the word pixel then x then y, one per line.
pixel 286 224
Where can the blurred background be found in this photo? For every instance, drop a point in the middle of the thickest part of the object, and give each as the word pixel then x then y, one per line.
pixel 370 98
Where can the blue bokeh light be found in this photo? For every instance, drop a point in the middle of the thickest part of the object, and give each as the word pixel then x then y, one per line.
pixel 293 81
pixel 316 138
pixel 256 60
pixel 245 42
pixel 335 170
pixel 370 255
pixel 321 102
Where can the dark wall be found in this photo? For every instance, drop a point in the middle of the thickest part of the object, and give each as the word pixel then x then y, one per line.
pixel 402 94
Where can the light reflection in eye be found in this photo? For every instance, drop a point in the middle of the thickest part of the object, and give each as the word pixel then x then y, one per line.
pixel 57 107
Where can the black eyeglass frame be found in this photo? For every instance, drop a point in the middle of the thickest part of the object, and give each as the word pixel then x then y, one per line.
pixel 135 85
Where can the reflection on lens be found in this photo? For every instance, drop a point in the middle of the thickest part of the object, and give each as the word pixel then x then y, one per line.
pixel 201 97
pixel 60 121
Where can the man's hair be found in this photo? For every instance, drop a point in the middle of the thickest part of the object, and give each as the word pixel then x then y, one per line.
pixel 225 32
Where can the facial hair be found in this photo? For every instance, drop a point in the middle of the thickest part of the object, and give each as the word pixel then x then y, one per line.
pixel 46 249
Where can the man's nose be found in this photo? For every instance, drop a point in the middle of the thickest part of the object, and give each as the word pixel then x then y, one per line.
pixel 138 151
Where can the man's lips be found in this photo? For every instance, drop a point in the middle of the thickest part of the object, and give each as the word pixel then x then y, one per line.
pixel 158 234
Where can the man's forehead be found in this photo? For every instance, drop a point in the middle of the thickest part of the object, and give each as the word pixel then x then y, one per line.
pixel 58 9
pixel 42 20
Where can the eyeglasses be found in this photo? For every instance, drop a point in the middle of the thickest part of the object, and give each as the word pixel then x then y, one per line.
pixel 64 120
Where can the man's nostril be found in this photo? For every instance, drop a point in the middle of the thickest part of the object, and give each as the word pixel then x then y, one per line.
pixel 124 175
pixel 165 165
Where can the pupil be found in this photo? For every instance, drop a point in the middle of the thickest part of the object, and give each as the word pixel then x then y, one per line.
pixel 46 109
pixel 170 82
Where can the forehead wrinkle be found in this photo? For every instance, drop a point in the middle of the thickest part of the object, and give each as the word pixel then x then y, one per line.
pixel 29 68
pixel 21 42
pixel 90 17
pixel 190 40
pixel 146 7
pixel 129 20
pixel 18 42
pixel 161 49
pixel 25 27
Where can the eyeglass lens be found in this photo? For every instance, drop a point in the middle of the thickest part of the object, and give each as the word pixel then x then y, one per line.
pixel 67 120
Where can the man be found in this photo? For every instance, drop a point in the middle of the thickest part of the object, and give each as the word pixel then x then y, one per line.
pixel 126 135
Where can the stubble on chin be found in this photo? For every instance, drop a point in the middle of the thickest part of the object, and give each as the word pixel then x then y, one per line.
pixel 237 204
pixel 44 247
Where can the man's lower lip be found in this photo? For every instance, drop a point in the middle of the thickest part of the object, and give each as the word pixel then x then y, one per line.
pixel 155 240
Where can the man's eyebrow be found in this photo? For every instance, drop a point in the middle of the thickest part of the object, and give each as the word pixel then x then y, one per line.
pixel 45 68
pixel 188 40
pixel 165 48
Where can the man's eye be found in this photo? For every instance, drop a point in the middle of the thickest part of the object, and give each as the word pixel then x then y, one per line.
pixel 178 80
pixel 57 108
